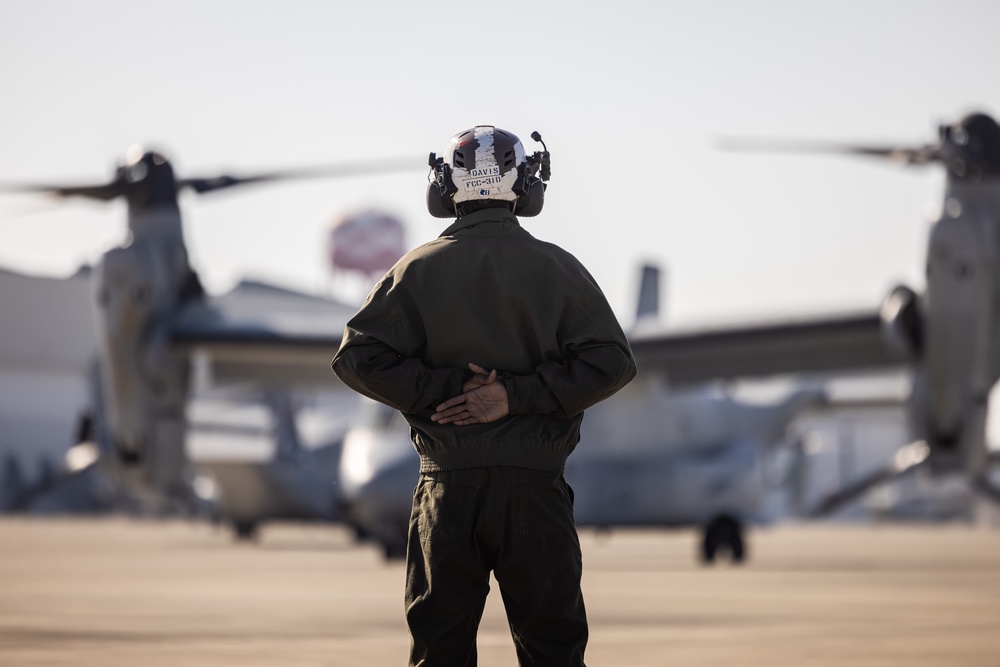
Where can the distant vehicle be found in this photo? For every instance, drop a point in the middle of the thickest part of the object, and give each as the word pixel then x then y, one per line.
pixel 948 338
pixel 153 319
pixel 294 483
pixel 648 457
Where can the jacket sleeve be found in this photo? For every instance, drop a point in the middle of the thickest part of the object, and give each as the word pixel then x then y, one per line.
pixel 373 360
pixel 597 362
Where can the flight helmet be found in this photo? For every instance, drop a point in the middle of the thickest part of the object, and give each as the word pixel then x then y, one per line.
pixel 485 163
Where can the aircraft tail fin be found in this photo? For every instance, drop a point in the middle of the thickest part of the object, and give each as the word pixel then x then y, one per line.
pixel 648 306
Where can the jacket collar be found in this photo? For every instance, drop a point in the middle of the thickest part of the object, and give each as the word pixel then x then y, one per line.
pixel 487 222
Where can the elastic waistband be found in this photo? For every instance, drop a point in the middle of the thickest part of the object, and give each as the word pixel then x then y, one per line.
pixel 477 454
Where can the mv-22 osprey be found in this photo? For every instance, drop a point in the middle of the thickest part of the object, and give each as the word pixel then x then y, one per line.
pixel 637 465
pixel 152 317
pixel 950 335
pixel 151 314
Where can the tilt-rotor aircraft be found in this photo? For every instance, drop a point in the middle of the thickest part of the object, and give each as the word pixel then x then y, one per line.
pixel 653 447
pixel 151 314
pixel 949 337
pixel 153 318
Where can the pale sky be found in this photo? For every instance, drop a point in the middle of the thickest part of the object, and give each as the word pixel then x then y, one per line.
pixel 629 97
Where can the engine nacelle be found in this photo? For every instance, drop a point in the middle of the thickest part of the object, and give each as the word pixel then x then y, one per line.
pixel 902 323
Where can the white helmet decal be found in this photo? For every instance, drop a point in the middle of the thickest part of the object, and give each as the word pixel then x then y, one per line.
pixel 484 177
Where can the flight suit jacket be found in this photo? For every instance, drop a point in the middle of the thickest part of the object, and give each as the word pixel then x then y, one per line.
pixel 488 292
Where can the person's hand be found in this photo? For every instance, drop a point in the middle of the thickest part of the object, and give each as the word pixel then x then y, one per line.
pixel 481 377
pixel 484 400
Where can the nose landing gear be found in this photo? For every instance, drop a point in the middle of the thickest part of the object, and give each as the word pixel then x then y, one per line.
pixel 723 534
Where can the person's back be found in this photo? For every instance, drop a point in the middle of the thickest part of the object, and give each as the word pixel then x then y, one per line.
pixel 492 344
pixel 492 292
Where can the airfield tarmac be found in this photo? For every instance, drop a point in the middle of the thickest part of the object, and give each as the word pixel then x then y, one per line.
pixel 113 592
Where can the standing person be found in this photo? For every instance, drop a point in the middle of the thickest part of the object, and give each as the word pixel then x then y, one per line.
pixel 492 344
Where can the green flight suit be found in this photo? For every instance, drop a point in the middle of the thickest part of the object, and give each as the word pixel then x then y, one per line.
pixel 491 496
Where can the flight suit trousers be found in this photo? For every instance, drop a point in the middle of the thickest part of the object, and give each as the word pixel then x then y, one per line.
pixel 515 522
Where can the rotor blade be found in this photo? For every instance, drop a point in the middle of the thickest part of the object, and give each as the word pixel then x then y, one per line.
pixel 103 192
pixel 202 185
pixel 23 209
pixel 918 155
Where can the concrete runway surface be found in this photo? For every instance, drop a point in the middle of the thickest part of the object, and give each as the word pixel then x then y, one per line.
pixel 113 592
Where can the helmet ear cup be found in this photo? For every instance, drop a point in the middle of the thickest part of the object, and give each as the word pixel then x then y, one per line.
pixel 438 204
pixel 440 191
pixel 530 204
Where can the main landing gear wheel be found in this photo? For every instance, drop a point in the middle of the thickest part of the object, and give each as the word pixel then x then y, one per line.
pixel 245 531
pixel 722 534
pixel 394 543
pixel 394 549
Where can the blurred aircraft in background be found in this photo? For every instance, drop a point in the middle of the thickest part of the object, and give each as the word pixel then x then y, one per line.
pixel 152 315
pixel 155 325
pixel 292 482
pixel 948 340
pixel 648 456
pixel 653 455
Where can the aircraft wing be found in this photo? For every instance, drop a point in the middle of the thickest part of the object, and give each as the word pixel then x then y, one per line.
pixel 834 343
pixel 259 333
